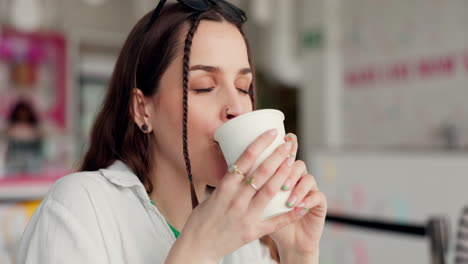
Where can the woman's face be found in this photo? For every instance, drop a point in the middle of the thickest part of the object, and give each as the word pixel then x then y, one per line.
pixel 219 78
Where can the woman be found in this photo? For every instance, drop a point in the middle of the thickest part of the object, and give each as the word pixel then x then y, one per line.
pixel 24 147
pixel 184 70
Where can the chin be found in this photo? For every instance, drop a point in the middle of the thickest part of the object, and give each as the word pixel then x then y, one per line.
pixel 215 170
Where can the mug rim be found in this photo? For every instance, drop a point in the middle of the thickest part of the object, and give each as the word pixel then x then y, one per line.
pixel 243 116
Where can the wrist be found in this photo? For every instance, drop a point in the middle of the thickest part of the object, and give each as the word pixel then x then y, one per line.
pixel 183 251
pixel 292 256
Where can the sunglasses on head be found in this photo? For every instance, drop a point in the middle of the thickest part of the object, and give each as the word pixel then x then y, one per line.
pixel 195 5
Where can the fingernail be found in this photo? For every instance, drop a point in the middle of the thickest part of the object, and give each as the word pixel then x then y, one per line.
pixel 273 131
pixel 288 145
pixel 286 185
pixel 290 162
pixel 290 136
pixel 291 201
pixel 301 204
pixel 292 156
pixel 303 211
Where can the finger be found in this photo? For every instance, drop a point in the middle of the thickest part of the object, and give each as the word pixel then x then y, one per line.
pixel 303 187
pixel 276 223
pixel 252 153
pixel 271 187
pixel 271 164
pixel 293 138
pixel 315 202
pixel 298 170
pixel 266 170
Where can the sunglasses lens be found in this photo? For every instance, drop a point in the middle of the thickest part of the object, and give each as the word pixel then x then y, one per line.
pixel 237 10
pixel 200 5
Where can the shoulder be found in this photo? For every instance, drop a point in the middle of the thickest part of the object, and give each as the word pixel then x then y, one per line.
pixel 67 223
pixel 77 200
pixel 78 188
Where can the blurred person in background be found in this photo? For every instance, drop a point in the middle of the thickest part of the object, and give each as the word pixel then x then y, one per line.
pixel 184 70
pixel 24 140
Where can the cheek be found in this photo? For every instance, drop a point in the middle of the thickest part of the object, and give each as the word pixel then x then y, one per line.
pixel 249 105
pixel 202 117
pixel 206 157
pixel 168 134
pixel 167 125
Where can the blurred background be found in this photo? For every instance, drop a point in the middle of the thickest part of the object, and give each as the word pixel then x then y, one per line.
pixel 375 90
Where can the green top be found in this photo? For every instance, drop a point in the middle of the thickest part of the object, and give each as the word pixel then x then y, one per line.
pixel 175 231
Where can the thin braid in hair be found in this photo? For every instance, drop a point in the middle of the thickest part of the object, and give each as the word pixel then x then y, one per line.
pixel 188 44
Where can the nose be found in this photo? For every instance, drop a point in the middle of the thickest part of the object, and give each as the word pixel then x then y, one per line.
pixel 229 114
pixel 233 106
pixel 231 111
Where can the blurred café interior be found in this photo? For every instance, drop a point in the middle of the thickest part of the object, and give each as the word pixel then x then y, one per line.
pixel 376 91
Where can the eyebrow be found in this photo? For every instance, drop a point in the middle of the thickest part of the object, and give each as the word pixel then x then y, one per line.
pixel 212 69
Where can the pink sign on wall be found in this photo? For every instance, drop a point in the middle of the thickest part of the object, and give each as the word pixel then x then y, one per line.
pixel 437 66
pixel 33 126
pixel 34 68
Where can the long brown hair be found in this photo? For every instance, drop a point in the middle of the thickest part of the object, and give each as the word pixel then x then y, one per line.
pixel 142 61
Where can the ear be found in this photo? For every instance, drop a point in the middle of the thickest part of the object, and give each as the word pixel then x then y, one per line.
pixel 141 107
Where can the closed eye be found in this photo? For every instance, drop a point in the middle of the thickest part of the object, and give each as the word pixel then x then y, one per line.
pixel 243 91
pixel 206 90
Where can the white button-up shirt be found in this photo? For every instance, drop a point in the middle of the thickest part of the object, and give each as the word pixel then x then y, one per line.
pixel 106 217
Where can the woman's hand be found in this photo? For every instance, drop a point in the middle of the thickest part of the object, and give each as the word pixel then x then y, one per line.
pixel 231 217
pixel 302 237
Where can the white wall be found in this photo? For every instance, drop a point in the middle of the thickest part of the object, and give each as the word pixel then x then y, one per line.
pixel 404 46
pixel 113 16
pixel 396 111
pixel 344 108
pixel 312 99
pixel 397 187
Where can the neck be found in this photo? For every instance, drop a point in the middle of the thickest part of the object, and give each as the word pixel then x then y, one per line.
pixel 171 193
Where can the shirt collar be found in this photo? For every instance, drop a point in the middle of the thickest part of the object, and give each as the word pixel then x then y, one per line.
pixel 119 174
